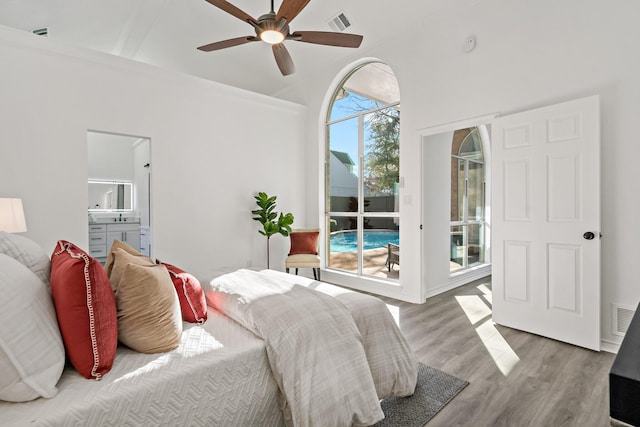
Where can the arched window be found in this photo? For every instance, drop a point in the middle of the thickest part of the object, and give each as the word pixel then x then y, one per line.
pixel 471 147
pixel 467 199
pixel 362 174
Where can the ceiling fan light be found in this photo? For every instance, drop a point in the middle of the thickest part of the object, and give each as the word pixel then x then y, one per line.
pixel 271 36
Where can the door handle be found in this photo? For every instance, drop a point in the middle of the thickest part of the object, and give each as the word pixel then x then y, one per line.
pixel 589 235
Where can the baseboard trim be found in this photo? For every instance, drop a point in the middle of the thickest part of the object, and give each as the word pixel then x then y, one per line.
pixel 460 279
pixel 440 290
pixel 610 346
pixel 467 276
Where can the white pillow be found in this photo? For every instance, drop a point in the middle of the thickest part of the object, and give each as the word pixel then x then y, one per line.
pixel 28 253
pixel 31 351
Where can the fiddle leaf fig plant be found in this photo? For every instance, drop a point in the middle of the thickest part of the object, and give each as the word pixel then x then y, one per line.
pixel 272 222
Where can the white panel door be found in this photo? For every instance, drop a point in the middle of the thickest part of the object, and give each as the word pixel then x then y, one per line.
pixel 546 202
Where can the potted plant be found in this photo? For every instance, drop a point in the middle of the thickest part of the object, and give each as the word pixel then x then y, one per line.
pixel 272 223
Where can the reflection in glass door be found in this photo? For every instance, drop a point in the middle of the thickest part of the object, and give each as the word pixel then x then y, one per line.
pixel 467 200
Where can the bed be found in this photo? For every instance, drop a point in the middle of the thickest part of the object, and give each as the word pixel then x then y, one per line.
pixel 224 374
pixel 219 375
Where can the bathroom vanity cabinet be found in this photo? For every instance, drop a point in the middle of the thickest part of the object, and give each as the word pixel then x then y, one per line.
pixel 101 237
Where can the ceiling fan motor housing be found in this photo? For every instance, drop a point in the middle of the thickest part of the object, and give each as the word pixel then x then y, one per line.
pixel 267 22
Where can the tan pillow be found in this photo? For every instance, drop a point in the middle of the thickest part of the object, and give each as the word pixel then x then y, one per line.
pixel 120 258
pixel 117 244
pixel 149 316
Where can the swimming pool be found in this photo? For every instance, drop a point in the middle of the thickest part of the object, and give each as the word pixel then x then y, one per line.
pixel 347 241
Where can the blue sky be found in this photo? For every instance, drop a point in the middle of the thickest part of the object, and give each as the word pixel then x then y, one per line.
pixel 344 135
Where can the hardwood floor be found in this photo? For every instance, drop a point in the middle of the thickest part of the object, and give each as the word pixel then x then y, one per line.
pixel 516 378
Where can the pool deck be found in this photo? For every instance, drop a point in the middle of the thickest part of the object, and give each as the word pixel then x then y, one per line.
pixel 374 263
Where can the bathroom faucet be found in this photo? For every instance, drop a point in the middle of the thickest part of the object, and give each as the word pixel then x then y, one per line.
pixel 120 217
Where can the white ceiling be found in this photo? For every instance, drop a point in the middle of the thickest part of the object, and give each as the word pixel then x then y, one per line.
pixel 166 32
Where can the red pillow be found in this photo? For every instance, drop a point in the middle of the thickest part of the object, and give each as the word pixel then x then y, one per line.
pixel 304 242
pixel 190 294
pixel 86 310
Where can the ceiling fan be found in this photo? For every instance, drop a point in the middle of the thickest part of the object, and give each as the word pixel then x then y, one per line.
pixel 273 28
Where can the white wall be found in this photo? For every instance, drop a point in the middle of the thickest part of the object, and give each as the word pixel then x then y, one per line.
pixel 529 54
pixel 212 148
pixel 110 157
pixel 436 176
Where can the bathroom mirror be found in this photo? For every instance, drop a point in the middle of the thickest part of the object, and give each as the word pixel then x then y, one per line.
pixel 110 196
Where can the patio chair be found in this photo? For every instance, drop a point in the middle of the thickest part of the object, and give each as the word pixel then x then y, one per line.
pixel 304 251
pixel 393 255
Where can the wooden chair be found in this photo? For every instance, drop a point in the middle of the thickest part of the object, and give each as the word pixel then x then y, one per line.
pixel 304 251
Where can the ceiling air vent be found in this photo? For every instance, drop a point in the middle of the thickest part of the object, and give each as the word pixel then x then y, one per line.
pixel 340 22
pixel 41 31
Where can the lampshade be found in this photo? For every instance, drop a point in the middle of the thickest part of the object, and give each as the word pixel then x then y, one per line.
pixel 12 216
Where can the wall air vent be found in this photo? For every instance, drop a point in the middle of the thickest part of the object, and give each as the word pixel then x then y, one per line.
pixel 340 22
pixel 621 319
pixel 41 31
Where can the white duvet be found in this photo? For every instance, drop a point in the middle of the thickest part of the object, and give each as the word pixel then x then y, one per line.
pixel 333 358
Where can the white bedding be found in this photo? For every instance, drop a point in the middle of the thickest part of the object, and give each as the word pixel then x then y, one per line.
pixel 316 348
pixel 219 376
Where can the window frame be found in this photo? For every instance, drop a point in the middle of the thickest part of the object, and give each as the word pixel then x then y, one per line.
pixel 360 214
pixel 465 222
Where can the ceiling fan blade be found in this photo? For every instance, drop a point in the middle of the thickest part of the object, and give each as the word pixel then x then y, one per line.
pixel 283 59
pixel 227 43
pixel 289 9
pixel 327 38
pixel 233 10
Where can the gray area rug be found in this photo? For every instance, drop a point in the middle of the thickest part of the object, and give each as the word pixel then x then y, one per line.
pixel 433 391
